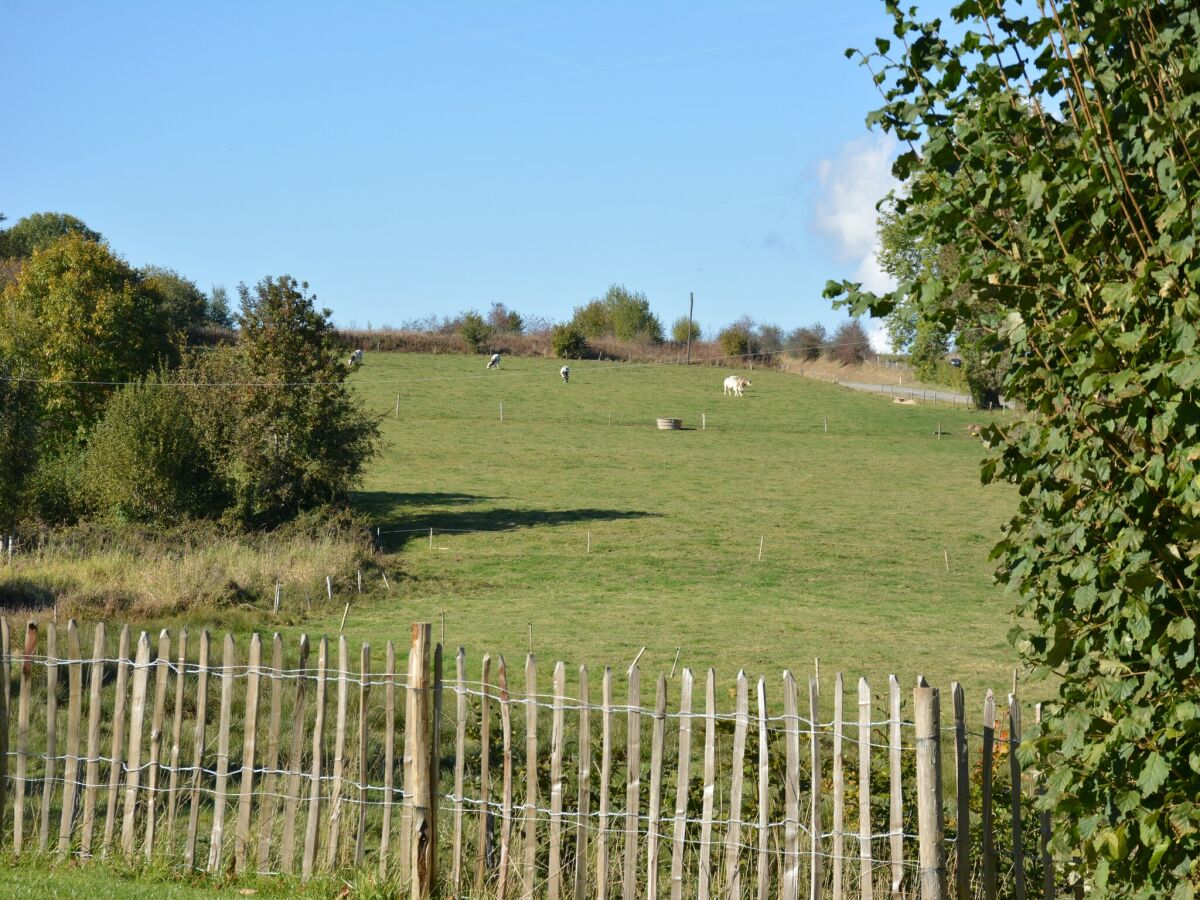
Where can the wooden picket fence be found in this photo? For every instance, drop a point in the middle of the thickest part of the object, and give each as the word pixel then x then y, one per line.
pixel 315 767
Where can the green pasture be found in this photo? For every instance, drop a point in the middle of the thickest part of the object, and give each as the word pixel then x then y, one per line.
pixel 875 535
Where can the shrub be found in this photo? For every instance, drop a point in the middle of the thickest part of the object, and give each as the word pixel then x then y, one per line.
pixel 806 342
pixel 682 328
pixel 146 460
pixel 55 493
pixel 504 320
pixel 475 331
pixel 734 340
pixel 620 313
pixel 850 344
pixel 568 341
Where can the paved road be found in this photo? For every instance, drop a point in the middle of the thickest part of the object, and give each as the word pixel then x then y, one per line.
pixel 926 394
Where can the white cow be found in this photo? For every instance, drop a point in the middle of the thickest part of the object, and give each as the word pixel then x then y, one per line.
pixel 494 362
pixel 565 372
pixel 355 359
pixel 735 384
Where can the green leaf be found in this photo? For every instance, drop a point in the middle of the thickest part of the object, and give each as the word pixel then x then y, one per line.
pixel 1154 772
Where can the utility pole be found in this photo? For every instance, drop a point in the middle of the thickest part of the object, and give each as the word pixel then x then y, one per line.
pixel 691 304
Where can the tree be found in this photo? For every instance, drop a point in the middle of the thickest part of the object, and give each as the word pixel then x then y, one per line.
pixel 504 320
pixel 474 330
pixel 684 328
pixel 768 337
pixel 90 321
pixel 568 341
pixel 185 305
pixel 218 311
pixel 19 421
pixel 734 340
pixel 807 341
pixel 302 438
pixel 620 313
pixel 1077 256
pixel 850 345
pixel 39 230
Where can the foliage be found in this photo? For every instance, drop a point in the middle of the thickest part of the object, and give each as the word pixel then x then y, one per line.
pixel 19 416
pixel 620 313
pixel 88 317
pixel 734 340
pixel 218 311
pixel 928 349
pixel 39 230
pixel 684 329
pixel 806 342
pixel 302 438
pixel 850 344
pixel 475 331
pixel 768 337
pixel 504 320
pixel 184 304
pixel 568 341
pixel 1076 241
pixel 146 460
pixel 54 491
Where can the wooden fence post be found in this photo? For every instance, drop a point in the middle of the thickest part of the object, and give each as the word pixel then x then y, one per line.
pixel 162 668
pixel 460 741
pixel 19 786
pixel 733 831
pixel 424 843
pixel 364 695
pixel 266 811
pixel 633 782
pixel 657 738
pixel 704 887
pixel 176 735
pixel 52 733
pixel 312 830
pixel 137 714
pixel 927 719
pixel 483 844
pixel 989 841
pixel 291 799
pixel 506 791
pixel 529 850
pixel 815 825
pixel 198 742
pixel 557 744
pixel 764 796
pixel 435 759
pixel 791 790
pixel 602 857
pixel 241 846
pixel 74 714
pixel 95 711
pixel 336 801
pixel 584 802
pixel 682 785
pixel 5 689
pixel 866 864
pixel 389 754
pixel 839 788
pixel 216 846
pixel 962 778
pixel 896 806
pixel 1014 769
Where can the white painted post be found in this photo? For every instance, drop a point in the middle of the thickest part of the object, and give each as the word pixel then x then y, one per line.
pixel 329 586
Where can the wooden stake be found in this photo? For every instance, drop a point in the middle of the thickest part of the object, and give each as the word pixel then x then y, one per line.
pixel 962 772
pixel 839 788
pixel 584 801
pixel 506 795
pixel 329 586
pixel 815 826
pixel 733 832
pixel 679 832
pixel 74 714
pixel 137 713
pixel 764 797
pixel 529 848
pixel 95 712
pixel 557 743
pixel 658 734
pixel 389 754
pixel 19 780
pixel 312 831
pixel 460 741
pixel 989 841
pixel 52 733
pixel 602 857
pixel 633 782
pixel 927 720
pixel 896 807
pixel 675 663
pixel 339 754
pixel 704 891
pixel 216 846
pixel 946 558
pixel 791 790
pixel 198 744
pixel 633 664
pixel 241 847
pixel 1014 771
pixel 266 813
pixel 162 669
pixel 176 736
pixel 485 778
pixel 866 863
pixel 364 694
pixel 589 543
pixel 760 546
pixel 424 842
pixel 291 799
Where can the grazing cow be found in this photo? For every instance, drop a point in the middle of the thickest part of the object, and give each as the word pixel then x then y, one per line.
pixel 494 362
pixel 355 359
pixel 565 372
pixel 735 384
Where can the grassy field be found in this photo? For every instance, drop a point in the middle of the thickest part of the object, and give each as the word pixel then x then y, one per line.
pixel 874 536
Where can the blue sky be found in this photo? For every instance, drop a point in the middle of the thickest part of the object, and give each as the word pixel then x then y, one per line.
pixel 409 159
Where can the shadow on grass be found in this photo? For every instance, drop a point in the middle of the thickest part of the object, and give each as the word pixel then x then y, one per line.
pixel 24 593
pixel 397 529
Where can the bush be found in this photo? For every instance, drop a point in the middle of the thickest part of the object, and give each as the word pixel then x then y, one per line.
pixel 55 493
pixel 683 328
pixel 850 345
pixel 568 341
pixel 475 331
pixel 734 340
pixel 807 342
pixel 504 320
pixel 620 313
pixel 146 460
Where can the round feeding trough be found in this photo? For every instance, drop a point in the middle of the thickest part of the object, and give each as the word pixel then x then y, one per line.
pixel 670 424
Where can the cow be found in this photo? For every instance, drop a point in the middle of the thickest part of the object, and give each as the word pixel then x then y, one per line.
pixel 565 372
pixel 735 384
pixel 494 362
pixel 355 359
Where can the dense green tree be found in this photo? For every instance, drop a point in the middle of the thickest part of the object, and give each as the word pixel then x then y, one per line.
pixel 683 329
pixel 1075 232
pixel 475 331
pixel 568 341
pixel 734 340
pixel 620 313
pixel 302 437
pixel 218 311
pixel 185 304
pixel 504 320
pixel 19 421
pixel 88 320
pixel 39 230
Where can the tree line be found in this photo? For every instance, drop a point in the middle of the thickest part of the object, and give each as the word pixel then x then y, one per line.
pixel 114 406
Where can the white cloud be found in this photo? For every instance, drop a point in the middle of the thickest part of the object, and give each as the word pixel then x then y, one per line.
pixel 877 332
pixel 848 187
